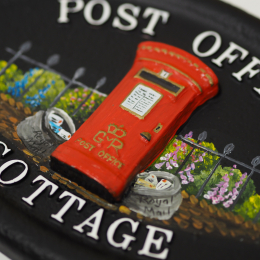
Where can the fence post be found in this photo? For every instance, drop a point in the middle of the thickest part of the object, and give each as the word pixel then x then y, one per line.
pixel 202 137
pixel 99 84
pixel 227 150
pixel 255 162
pixel 79 72
pixel 23 48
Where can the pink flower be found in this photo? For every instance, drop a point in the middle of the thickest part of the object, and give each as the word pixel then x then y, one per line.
pixel 191 179
pixel 76 90
pixel 196 161
pixel 181 172
pixel 225 185
pixel 159 165
pixel 235 192
pixel 82 108
pixel 203 154
pixel 79 99
pixel 84 105
pixel 174 163
pixel 226 204
pixel 206 196
pixel 183 145
pixel 220 184
pixel 190 134
pixel 187 169
pixel 70 104
pixel 184 182
pixel 234 166
pixel 175 157
pixel 200 159
pixel 168 166
pixel 163 159
pixel 183 177
pixel 215 200
pixel 84 95
pixel 188 174
pixel 237 184
pixel 192 166
pixel 243 176
pixel 72 98
pixel 92 102
pixel 231 174
pixel 220 198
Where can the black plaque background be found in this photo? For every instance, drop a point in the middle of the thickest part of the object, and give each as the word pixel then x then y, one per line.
pixel 29 232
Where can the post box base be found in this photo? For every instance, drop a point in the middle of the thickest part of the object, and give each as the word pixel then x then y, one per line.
pixel 76 176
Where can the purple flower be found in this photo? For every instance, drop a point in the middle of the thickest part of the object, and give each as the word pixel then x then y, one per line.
pixel 243 176
pixel 168 166
pixel 191 179
pixel 181 172
pixel 188 174
pixel 206 196
pixel 189 134
pixel 220 184
pixel 167 156
pixel 226 204
pixel 234 166
pixel 200 159
pixel 187 169
pixel 237 184
pixel 225 178
pixel 235 192
pixel 163 159
pixel 222 191
pixel 225 185
pixel 184 182
pixel 159 165
pixel 174 163
pixel 215 200
pixel 203 154
pixel 192 166
pixel 220 198
pixel 183 177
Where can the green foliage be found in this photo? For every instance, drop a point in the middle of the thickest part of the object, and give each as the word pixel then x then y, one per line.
pixel 249 208
pixel 73 98
pixel 38 88
pixel 11 75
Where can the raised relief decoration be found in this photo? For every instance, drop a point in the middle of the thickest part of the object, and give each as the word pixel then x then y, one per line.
pixel 124 133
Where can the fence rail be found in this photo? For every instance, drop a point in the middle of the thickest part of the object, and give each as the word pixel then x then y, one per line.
pixel 43 66
pixel 227 150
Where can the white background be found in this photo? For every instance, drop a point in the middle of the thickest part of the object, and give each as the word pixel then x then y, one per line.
pixel 250 6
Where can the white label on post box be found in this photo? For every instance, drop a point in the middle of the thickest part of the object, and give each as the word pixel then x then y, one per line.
pixel 141 101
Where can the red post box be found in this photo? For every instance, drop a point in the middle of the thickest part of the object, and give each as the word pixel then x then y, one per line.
pixel 136 121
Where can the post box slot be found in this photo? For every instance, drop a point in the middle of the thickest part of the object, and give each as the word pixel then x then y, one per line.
pixel 157 80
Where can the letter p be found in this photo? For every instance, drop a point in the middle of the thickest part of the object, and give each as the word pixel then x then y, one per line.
pixel 65 9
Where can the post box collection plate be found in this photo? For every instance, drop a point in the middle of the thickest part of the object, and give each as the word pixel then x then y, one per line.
pixel 129 130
